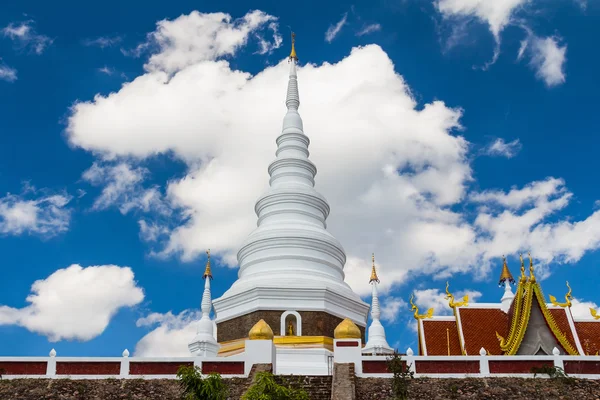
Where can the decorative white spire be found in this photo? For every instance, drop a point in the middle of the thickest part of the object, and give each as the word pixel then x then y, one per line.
pixel 290 261
pixel 376 343
pixel 204 343
pixel 506 279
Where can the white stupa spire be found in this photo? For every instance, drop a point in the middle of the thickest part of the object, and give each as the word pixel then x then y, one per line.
pixel 376 343
pixel 506 279
pixel 204 343
pixel 290 261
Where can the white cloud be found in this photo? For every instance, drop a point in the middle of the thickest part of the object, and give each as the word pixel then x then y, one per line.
pixel 500 148
pixel 103 41
pixel 7 73
pixel 267 47
pixel 25 35
pixel 368 29
pixel 536 193
pixel 497 14
pixel 397 190
pixel 196 37
pixel 34 211
pixel 548 59
pixel 122 187
pixel 170 338
pixel 390 307
pixel 335 29
pixel 106 70
pixel 75 302
pixel 581 309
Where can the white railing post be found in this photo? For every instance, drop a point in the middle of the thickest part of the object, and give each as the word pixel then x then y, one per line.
pixel 558 362
pixel 124 364
pixel 51 364
pixel 410 360
pixel 484 365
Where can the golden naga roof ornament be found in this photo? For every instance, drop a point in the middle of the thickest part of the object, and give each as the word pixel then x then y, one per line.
pixel 505 275
pixel 207 272
pixel 347 330
pixel 374 277
pixel 293 55
pixel 568 298
pixel 452 303
pixel 261 331
pixel 531 275
pixel 523 277
pixel 414 308
pixel 594 313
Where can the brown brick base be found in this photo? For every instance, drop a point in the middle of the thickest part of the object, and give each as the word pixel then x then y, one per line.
pixel 314 323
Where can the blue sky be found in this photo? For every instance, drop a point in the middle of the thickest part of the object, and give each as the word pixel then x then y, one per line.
pixel 452 134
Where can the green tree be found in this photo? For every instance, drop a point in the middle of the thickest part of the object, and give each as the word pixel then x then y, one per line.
pixel 266 388
pixel 198 387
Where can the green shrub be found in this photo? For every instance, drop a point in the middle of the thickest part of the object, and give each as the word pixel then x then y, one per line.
pixel 198 387
pixel 265 388
pixel 402 376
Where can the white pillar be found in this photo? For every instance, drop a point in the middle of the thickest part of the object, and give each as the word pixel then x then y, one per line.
pixel 51 364
pixel 348 351
pixel 484 365
pixel 124 364
pixel 259 352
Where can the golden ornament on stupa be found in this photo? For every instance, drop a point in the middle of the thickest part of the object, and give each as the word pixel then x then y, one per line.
pixel 261 331
pixel 347 330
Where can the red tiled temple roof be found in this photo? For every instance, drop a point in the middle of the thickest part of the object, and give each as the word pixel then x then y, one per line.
pixel 479 327
pixel 436 334
pixel 589 336
pixel 562 321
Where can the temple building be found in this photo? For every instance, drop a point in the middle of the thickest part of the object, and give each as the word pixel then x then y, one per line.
pixel 523 323
pixel 291 290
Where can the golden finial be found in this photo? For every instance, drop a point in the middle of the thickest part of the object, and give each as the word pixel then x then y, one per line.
pixel 374 277
pixel 207 273
pixel 450 296
pixel 568 298
pixel 594 313
pixel 414 308
pixel 531 275
pixel 347 330
pixel 293 55
pixel 261 331
pixel 505 275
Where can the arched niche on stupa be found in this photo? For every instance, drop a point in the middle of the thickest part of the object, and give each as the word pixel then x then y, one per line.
pixel 294 319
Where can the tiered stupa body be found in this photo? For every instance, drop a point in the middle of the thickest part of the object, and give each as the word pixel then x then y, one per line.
pixel 291 269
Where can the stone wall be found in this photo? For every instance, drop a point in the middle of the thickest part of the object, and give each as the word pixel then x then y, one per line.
pixel 314 323
pixel 482 389
pixel 319 388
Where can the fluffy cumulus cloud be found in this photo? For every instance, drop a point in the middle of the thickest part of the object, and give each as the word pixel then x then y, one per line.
pixel 25 36
pixel 37 212
pixel 170 338
pixel 393 171
pixel 75 302
pixel 500 148
pixel 197 37
pixel 547 58
pixel 390 308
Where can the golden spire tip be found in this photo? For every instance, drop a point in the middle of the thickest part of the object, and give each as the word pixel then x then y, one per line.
pixel 374 277
pixel 293 55
pixel 207 271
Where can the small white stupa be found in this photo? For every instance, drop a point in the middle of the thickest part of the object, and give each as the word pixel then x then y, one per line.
pixel 507 279
pixel 204 343
pixel 376 343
